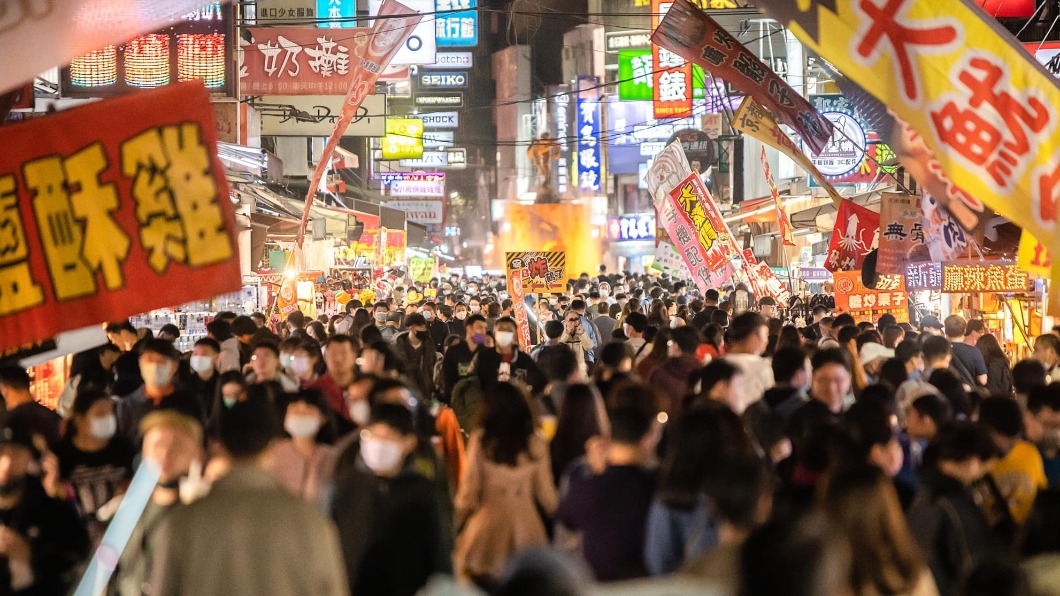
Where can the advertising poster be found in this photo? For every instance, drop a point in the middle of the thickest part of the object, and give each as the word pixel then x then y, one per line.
pixel 865 304
pixel 538 271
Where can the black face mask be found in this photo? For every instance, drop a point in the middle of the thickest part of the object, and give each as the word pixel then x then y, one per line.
pixel 12 487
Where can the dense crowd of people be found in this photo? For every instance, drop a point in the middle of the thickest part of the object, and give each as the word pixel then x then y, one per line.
pixel 652 441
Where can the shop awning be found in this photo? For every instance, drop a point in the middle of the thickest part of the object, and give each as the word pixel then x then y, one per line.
pixel 822 217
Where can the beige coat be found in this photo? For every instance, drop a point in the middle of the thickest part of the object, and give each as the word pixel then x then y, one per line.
pixel 497 502
pixel 248 537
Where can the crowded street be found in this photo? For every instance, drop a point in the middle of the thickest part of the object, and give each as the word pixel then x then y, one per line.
pixel 544 297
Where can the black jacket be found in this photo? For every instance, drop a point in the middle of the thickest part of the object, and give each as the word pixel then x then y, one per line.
pixel 950 529
pixel 392 530
pixel 419 363
pixel 522 368
pixel 57 540
pixel 439 331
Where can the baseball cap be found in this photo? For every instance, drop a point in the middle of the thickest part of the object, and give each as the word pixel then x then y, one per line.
pixel 872 351
pixel 930 321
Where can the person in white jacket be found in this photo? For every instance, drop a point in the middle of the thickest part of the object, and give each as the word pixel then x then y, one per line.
pixel 575 337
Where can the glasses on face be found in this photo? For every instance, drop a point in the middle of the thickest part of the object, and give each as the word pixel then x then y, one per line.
pixel 572 320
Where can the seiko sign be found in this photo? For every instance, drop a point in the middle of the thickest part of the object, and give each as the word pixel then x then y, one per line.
pixel 444 80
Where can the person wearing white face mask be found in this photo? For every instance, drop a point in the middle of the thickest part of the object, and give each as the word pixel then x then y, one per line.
pixel 201 376
pixel 304 463
pixel 382 506
pixel 506 362
pixel 93 459
pixel 158 366
pixel 304 361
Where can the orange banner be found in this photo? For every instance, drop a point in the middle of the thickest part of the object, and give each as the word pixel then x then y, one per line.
pixel 866 304
pixel 111 210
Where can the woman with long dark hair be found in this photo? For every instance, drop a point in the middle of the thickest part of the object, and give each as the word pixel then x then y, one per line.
pixel 658 354
pixel 998 369
pixel 681 522
pixel 581 417
pixel 506 487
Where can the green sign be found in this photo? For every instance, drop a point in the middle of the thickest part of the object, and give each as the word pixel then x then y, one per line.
pixel 635 74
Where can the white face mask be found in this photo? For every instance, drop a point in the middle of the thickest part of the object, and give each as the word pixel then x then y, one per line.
pixel 201 364
pixel 360 412
pixel 286 361
pixel 301 427
pixel 300 365
pixel 475 309
pixel 381 455
pixel 504 338
pixel 461 315
pixel 157 375
pixel 104 428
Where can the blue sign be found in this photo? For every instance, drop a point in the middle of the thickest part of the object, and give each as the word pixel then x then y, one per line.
pixel 444 80
pixel 334 14
pixel 631 227
pixel 588 158
pixel 455 29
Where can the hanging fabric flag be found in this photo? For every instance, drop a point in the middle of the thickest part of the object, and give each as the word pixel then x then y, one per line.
pixel 1033 256
pixel 669 261
pixel 982 105
pixel 688 32
pixel 856 234
pixel 754 121
pixel 371 54
pixel 786 233
pixel 945 238
pixel 698 233
pixel 901 233
pixel 764 280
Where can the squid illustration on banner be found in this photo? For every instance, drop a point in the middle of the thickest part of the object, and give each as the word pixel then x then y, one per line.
pixel 856 234
pixel 786 233
pixel 983 107
pixel 372 55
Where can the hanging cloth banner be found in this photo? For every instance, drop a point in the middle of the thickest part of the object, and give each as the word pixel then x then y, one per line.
pixel 945 238
pixel 983 107
pixel 371 54
pixel 902 239
pixel 754 121
pixel 765 280
pixel 856 234
pixel 698 237
pixel 786 233
pixel 1033 256
pixel 112 209
pixel 517 277
pixel 688 32
pixel 669 261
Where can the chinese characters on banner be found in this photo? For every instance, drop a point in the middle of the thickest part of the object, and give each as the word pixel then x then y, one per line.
pixel 989 115
pixel 373 54
pixel 702 239
pixel 298 61
pixel 689 32
pixel 668 260
pixel 786 233
pixel 1033 256
pixel 983 277
pixel 456 29
pixel 519 307
pixel 421 269
pixel 865 304
pixel 588 122
pixel 754 121
pixel 764 280
pixel 902 234
pixel 112 209
pixel 541 271
pixel 856 234
pixel 671 74
pixel 923 276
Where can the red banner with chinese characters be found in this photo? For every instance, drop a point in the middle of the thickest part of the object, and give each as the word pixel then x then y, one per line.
pixel 764 280
pixel 856 233
pixel 671 74
pixel 299 60
pixel 865 304
pixel 698 233
pixel 786 232
pixel 110 210
pixel 689 32
pixel 519 307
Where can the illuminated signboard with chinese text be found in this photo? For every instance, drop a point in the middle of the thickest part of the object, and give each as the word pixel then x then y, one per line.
pixel 631 227
pixel 588 122
pixel 635 80
pixel 865 304
pixel 335 14
pixel 984 277
pixel 297 61
pixel 923 276
pixel 456 29
pixel 195 48
pixel 671 74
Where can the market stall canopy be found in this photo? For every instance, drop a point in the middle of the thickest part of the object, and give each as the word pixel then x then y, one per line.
pixel 822 217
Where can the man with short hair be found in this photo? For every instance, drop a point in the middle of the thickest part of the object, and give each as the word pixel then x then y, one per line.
pixel 634 327
pixel 1042 424
pixel 1019 474
pixel 610 509
pixel 456 364
pixel 23 411
pixel 767 307
pixel 829 389
pixel 974 331
pixel 416 351
pixel 390 329
pixel 436 327
pixel 968 360
pixel 274 542
pixel 158 365
pixel 767 418
pixel 931 325
pixel 937 354
pixel 506 362
pixel 1047 351
pixel 201 377
pixel 604 322
pixel 169 332
pixel 578 306
pixel 265 367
